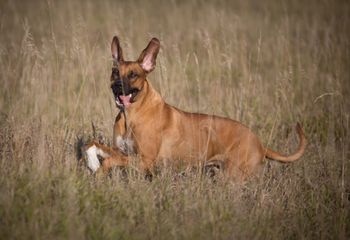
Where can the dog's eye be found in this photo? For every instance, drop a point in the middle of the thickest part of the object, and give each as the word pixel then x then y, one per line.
pixel 115 73
pixel 132 75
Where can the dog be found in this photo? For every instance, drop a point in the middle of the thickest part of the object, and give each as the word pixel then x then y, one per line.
pixel 157 132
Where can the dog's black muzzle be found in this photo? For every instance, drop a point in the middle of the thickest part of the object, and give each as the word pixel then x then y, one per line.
pixel 118 88
pixel 121 88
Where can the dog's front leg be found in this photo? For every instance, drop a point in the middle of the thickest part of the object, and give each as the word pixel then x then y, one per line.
pixel 111 157
pixel 122 140
pixel 115 161
pixel 119 130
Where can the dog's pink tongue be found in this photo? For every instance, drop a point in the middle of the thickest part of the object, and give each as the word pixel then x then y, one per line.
pixel 125 100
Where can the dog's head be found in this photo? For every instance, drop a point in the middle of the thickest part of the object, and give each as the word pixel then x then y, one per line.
pixel 128 77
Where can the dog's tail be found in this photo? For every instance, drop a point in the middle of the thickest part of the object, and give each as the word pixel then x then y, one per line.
pixel 295 156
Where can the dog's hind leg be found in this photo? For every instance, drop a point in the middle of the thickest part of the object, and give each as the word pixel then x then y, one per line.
pixel 214 165
pixel 111 157
pixel 244 163
pixel 212 168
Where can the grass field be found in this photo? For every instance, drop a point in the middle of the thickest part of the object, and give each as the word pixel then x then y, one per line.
pixel 267 64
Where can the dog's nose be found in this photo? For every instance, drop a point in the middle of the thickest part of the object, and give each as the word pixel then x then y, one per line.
pixel 118 83
pixel 117 87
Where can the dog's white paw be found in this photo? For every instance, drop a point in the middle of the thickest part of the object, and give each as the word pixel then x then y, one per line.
pixel 92 161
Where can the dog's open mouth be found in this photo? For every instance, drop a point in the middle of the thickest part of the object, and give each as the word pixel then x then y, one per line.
pixel 126 100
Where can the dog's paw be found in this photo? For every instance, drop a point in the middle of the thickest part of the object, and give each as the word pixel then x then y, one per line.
pixel 92 160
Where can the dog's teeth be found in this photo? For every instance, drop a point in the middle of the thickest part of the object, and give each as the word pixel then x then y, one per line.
pixel 130 95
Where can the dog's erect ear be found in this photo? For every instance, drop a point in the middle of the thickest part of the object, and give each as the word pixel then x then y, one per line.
pixel 148 56
pixel 117 52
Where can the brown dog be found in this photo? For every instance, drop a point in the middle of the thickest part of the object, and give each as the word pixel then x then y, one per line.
pixel 159 132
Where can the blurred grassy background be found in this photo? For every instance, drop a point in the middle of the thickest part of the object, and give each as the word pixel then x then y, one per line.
pixel 268 64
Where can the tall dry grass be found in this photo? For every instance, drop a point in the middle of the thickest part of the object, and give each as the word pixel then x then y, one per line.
pixel 268 64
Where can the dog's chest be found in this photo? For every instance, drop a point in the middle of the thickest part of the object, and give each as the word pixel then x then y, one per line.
pixel 125 144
